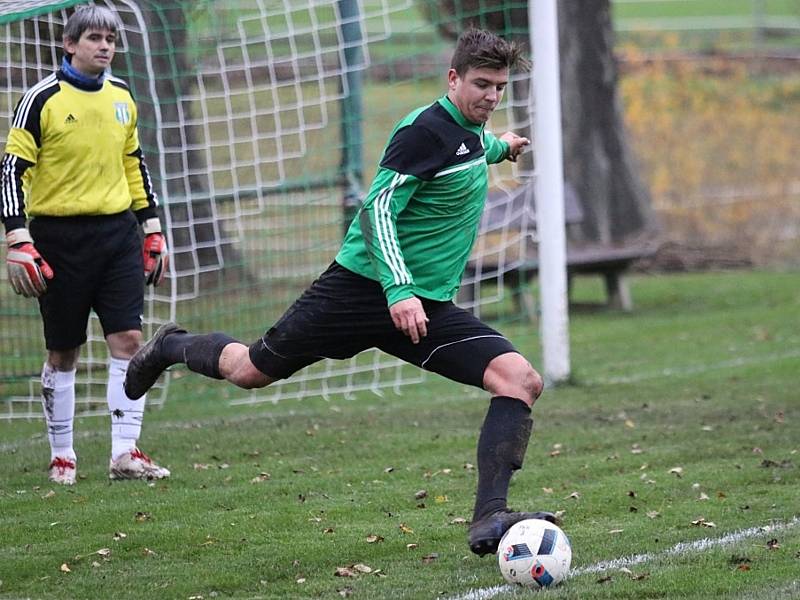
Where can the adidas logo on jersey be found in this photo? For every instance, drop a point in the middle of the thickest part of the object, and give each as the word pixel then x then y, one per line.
pixel 462 150
pixel 70 120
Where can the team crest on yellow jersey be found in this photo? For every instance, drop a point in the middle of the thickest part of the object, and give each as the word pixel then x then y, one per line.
pixel 122 113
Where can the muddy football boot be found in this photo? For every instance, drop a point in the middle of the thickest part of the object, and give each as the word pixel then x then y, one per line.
pixel 148 363
pixel 485 533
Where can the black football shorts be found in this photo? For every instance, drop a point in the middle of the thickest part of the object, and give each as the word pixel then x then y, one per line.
pixel 343 313
pixel 97 265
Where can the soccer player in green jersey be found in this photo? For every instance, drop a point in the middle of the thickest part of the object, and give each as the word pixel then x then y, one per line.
pixel 73 165
pixel 392 284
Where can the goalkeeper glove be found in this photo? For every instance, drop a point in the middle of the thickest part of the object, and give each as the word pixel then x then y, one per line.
pixel 27 270
pixel 154 251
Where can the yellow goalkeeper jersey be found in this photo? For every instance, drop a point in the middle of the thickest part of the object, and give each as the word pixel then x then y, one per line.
pixel 74 151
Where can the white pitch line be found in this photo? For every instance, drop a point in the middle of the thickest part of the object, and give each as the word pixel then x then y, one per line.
pixel 636 559
pixel 695 369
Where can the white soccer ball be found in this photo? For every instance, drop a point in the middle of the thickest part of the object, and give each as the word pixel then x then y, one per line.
pixel 534 553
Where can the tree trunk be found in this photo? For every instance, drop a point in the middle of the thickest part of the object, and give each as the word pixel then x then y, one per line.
pixel 598 163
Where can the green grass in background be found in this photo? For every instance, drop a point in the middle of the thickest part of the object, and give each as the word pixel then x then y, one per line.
pixel 686 409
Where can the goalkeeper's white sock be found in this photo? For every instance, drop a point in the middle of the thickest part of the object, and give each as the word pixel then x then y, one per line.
pixel 126 414
pixel 58 402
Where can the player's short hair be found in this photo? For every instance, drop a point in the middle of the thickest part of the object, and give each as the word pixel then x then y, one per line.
pixel 481 49
pixel 90 17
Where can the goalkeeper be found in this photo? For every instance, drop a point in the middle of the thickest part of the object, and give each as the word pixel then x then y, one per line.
pixel 392 284
pixel 73 165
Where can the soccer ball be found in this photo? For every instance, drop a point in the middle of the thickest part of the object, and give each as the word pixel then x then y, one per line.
pixel 534 553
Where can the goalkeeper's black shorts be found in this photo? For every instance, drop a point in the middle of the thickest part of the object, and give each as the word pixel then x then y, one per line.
pixel 343 313
pixel 97 265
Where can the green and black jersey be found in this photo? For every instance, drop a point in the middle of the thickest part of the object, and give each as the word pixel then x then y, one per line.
pixel 416 228
pixel 72 150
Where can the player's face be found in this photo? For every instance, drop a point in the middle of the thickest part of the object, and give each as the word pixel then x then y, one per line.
pixel 478 92
pixel 92 54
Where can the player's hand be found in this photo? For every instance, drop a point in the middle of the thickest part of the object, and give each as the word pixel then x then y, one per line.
pixel 516 144
pixel 28 272
pixel 154 252
pixel 410 318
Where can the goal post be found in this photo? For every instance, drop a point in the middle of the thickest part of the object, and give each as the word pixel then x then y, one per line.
pixel 261 122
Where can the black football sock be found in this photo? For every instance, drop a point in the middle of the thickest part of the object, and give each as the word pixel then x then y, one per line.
pixel 200 352
pixel 501 450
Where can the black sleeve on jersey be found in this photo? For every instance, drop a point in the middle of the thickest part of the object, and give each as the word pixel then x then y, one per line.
pixel 414 150
pixel 28 115
pixel 13 202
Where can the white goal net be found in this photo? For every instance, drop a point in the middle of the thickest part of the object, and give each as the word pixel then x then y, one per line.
pixel 262 122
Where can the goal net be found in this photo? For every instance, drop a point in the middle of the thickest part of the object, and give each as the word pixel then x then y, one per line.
pixel 262 122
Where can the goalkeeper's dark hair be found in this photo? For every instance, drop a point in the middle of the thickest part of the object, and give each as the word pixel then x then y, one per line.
pixel 481 49
pixel 90 17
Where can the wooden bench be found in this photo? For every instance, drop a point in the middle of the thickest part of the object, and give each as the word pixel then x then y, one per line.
pixel 500 231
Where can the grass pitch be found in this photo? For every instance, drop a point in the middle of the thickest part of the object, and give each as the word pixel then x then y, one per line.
pixel 676 441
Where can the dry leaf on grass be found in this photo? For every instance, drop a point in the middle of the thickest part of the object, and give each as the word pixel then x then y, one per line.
pixel 373 539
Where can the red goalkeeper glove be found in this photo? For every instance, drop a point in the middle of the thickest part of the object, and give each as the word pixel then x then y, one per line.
pixel 27 270
pixel 154 252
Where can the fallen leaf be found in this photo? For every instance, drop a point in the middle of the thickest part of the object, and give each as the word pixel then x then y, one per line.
pixel 412 546
pixel 636 449
pixel 420 494
pixel 405 528
pixel 573 495
pixel 345 592
pixel 142 517
pixel 429 558
pixel 49 494
pixel 328 530
pixel 344 572
pixel 469 466
pixel 362 568
pixel 65 568
pixel 773 544
pixel 703 496
pixel 104 552
pixel 301 580
pixel 676 471
pixel 547 490
pixel 373 539
pixel 605 579
pixel 613 531
pixel 653 514
pixel 629 424
pixel 743 568
pixel 458 521
pixel 264 476
pixel 147 552
pixel 388 469
pixel 441 499
pixel 119 536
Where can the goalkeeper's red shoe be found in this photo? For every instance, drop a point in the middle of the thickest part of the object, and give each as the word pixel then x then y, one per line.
pixel 62 470
pixel 485 533
pixel 148 363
